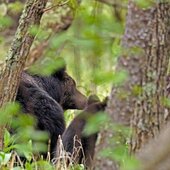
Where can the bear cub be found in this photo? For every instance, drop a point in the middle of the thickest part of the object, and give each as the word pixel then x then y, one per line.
pixel 75 130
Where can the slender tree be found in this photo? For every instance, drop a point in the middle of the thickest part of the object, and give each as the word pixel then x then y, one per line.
pixel 18 52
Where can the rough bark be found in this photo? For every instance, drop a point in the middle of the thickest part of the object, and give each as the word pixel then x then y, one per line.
pixel 142 94
pixel 16 57
pixel 151 113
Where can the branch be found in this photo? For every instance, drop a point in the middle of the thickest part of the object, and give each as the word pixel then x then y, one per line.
pixel 57 5
pixel 62 25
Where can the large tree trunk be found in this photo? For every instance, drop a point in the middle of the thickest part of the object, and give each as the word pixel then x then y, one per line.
pixel 143 93
pixel 17 55
pixel 151 113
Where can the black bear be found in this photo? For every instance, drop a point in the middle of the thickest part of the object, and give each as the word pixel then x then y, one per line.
pixel 75 131
pixel 45 97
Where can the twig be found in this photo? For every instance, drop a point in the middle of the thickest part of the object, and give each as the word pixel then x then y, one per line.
pixel 11 166
pixel 19 160
pixel 57 5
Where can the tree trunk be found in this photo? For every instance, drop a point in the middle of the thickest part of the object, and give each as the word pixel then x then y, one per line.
pixel 141 96
pixel 17 55
pixel 151 113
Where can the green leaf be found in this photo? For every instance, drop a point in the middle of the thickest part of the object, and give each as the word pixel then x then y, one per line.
pixel 15 7
pixel 116 48
pixel 33 30
pixel 130 163
pixel 23 121
pixel 5 22
pixel 95 122
pixel 73 4
pixel 7 138
pixel 116 78
pixel 48 66
pixel 7 112
pixel 42 165
pixel 58 40
pixel 4 158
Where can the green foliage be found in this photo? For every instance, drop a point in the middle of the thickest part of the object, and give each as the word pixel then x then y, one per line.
pixel 21 140
pixel 8 142
pixel 120 154
pixel 5 22
pixel 166 102
pixel 38 32
pixel 7 112
pixel 116 78
pixel 73 4
pixel 15 7
pixel 4 158
pixel 42 165
pixel 119 150
pixel 95 122
pixel 77 167
pixel 91 48
pixel 51 64
pixel 145 4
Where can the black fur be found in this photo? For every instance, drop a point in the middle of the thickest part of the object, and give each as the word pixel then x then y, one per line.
pixel 46 97
pixel 76 128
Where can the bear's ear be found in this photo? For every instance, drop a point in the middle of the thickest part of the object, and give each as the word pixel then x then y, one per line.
pixel 93 99
pixel 105 101
pixel 59 73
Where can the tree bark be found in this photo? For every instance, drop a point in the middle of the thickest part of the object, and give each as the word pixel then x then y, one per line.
pixel 151 113
pixel 140 98
pixel 17 55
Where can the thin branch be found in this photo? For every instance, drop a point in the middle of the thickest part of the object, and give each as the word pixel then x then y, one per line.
pixel 57 5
